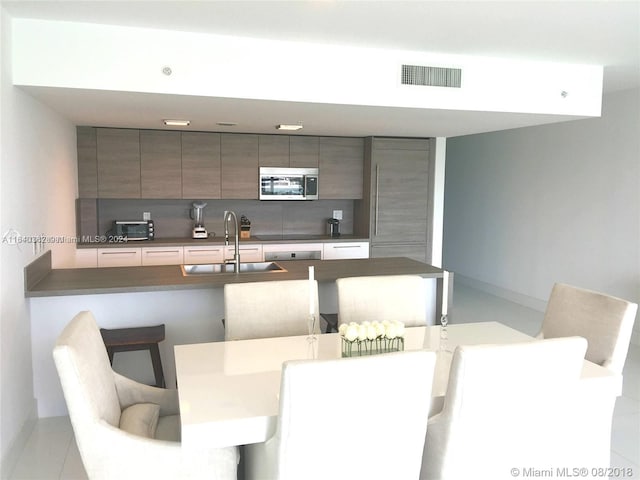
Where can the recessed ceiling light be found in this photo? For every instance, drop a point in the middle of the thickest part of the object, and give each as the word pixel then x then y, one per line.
pixel 176 123
pixel 288 127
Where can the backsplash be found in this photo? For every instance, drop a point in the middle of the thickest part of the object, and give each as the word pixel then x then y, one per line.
pixel 171 217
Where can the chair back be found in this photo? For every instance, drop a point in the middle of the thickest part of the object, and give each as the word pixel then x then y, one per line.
pixel 377 430
pixel 85 372
pixel 269 309
pixel 605 321
pixel 509 406
pixel 385 297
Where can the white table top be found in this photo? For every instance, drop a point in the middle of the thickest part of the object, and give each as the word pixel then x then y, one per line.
pixel 229 390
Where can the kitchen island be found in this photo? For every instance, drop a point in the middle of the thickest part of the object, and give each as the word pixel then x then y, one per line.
pixel 190 307
pixel 42 281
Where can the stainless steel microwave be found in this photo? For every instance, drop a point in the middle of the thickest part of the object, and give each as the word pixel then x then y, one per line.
pixel 278 183
pixel 134 229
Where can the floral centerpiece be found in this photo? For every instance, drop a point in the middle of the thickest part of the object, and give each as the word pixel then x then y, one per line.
pixel 369 338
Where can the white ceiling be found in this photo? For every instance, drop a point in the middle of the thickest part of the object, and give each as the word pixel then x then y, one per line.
pixel 591 32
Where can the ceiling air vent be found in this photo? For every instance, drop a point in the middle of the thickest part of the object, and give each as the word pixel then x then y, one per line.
pixel 431 76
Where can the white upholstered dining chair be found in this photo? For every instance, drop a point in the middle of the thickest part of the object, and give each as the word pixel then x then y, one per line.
pixel 385 297
pixel 605 321
pixel 377 432
pixel 517 406
pixel 269 309
pixel 125 429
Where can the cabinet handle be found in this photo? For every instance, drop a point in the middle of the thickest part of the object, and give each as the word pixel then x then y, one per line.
pixel 163 252
pixel 118 253
pixel 202 252
pixel 375 222
pixel 347 246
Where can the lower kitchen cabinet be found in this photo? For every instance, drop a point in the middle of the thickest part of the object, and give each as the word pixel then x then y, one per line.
pixel 162 256
pixel 248 253
pixel 339 250
pixel 86 258
pixel 204 254
pixel 119 257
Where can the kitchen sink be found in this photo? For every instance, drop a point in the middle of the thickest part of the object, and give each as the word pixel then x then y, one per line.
pixel 218 268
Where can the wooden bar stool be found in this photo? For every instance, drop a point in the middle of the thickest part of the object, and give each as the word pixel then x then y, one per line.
pixel 138 338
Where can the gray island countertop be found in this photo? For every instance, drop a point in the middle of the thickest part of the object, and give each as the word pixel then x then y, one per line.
pixel 42 281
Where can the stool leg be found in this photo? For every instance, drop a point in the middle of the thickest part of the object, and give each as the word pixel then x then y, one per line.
pixel 157 365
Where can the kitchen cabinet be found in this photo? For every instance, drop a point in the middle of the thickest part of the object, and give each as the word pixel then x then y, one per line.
pixel 273 150
pixel 86 258
pixel 239 162
pixel 200 165
pixel 87 145
pixel 162 256
pixel 128 163
pixel 203 254
pixel 304 152
pixel 341 161
pixel 118 157
pixel 160 164
pixel 119 257
pixel 338 250
pixel 289 151
pixel 399 209
pixel 248 252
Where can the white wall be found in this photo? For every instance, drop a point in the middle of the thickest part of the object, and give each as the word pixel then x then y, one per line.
pixel 528 207
pixel 37 191
pixel 131 59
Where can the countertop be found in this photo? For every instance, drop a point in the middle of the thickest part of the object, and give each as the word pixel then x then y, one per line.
pixel 219 240
pixel 89 281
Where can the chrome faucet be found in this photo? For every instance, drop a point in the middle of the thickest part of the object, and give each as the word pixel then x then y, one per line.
pixel 236 257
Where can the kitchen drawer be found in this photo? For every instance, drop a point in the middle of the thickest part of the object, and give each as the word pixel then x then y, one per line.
pixel 162 256
pixel 119 257
pixel 337 250
pixel 203 254
pixel 248 253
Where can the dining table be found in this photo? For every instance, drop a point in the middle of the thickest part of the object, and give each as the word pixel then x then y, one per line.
pixel 229 391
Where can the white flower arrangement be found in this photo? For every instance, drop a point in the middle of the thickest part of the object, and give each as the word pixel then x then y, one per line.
pixel 368 338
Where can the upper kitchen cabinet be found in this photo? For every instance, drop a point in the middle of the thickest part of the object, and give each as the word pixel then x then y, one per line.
pixel 118 154
pixel 304 152
pixel 288 151
pixel 239 161
pixel 399 205
pixel 273 150
pixel 160 164
pixel 200 165
pixel 341 167
pixel 87 162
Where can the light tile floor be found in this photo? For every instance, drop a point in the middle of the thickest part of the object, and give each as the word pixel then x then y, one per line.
pixel 51 452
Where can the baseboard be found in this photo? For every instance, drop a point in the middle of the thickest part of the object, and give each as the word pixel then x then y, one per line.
pixel 11 457
pixel 520 299
pixel 515 297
